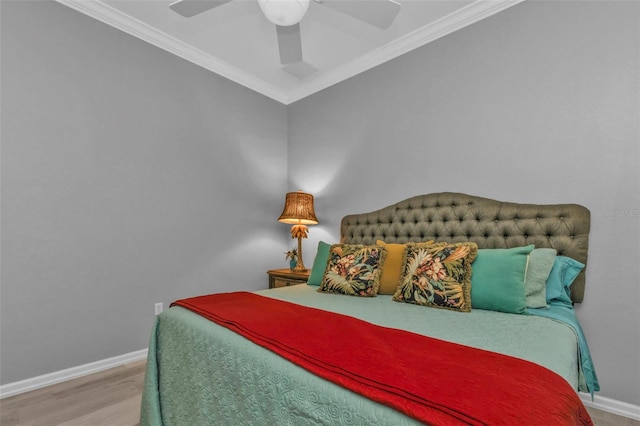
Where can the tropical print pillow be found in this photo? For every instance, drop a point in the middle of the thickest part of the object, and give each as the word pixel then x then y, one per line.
pixel 438 275
pixel 353 269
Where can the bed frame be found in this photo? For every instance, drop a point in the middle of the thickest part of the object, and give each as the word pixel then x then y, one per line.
pixel 189 357
pixel 457 217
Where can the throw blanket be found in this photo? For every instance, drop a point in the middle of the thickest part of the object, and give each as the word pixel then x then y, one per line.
pixel 433 381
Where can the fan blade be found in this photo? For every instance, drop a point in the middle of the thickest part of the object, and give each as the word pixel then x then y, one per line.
pixel 189 8
pixel 289 44
pixel 379 13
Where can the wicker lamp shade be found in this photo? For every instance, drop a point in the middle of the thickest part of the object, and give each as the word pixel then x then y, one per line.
pixel 298 209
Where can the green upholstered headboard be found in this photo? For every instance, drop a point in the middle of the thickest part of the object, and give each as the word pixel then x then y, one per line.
pixel 455 217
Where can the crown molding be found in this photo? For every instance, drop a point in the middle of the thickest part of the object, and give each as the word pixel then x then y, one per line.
pixel 474 12
pixel 463 17
pixel 117 19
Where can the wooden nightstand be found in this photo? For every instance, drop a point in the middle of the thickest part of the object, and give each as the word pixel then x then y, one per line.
pixel 285 277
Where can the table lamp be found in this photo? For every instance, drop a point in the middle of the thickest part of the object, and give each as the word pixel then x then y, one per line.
pixel 298 211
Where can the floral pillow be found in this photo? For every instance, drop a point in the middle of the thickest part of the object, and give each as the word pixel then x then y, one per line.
pixel 438 275
pixel 353 269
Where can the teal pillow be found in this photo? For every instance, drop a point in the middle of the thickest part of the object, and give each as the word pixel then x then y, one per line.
pixel 564 272
pixel 319 264
pixel 541 261
pixel 497 279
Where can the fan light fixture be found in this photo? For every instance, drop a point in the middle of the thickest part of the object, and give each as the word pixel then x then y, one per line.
pixel 284 12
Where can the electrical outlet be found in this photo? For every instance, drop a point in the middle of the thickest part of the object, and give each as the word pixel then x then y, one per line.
pixel 159 308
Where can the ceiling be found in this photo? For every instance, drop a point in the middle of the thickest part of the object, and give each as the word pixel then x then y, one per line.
pixel 236 41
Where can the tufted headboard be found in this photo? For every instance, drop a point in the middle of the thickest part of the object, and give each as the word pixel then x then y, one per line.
pixel 455 217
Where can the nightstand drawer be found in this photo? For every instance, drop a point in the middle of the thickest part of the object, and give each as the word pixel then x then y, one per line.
pixel 284 282
pixel 287 278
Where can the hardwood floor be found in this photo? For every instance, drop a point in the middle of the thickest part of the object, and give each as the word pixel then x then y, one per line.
pixel 602 418
pixel 109 398
pixel 112 398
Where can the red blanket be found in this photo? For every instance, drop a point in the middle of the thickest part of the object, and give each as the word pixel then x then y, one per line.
pixel 433 381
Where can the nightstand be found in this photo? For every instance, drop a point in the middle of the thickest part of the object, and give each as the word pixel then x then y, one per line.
pixel 286 277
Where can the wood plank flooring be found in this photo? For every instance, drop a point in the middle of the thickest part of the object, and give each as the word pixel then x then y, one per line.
pixel 112 398
pixel 602 418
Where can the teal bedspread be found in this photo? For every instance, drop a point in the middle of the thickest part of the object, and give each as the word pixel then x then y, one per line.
pixel 201 374
pixel 587 378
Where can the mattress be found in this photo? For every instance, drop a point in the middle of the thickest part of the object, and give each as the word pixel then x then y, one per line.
pixel 200 373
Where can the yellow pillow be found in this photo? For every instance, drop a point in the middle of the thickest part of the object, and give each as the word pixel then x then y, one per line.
pixel 392 268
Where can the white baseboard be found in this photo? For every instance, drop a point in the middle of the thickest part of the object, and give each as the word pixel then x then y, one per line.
pixel 611 406
pixel 38 382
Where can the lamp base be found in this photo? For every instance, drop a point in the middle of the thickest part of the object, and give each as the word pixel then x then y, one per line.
pixel 299 231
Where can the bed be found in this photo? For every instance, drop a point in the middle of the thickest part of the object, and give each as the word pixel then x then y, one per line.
pixel 202 371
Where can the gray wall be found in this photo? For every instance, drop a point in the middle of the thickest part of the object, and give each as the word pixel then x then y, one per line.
pixel 537 104
pixel 129 177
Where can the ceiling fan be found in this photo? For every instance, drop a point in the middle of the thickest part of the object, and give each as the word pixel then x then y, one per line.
pixel 287 14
